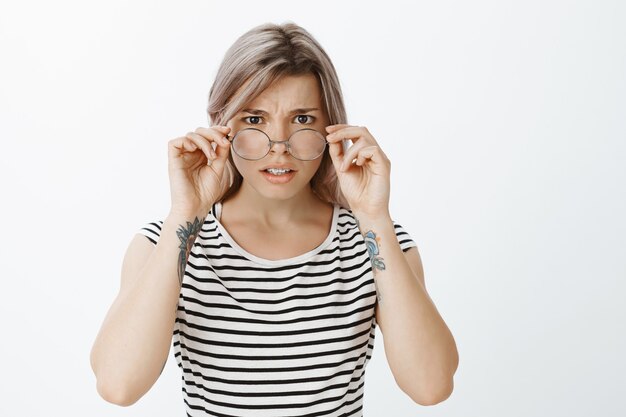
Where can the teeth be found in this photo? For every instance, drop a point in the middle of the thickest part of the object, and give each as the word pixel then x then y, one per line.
pixel 277 171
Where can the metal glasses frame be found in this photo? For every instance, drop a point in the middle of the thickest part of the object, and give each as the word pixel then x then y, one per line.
pixel 272 142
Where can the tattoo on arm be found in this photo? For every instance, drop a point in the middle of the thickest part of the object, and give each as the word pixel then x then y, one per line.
pixel 187 235
pixel 372 243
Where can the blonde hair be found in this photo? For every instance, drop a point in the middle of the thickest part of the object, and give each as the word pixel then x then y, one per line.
pixel 258 58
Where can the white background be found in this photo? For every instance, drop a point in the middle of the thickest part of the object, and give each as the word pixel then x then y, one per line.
pixel 506 126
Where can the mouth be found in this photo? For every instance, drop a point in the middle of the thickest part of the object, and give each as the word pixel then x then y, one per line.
pixel 278 171
pixel 278 176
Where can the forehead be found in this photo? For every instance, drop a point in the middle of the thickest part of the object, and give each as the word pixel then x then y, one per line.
pixel 289 92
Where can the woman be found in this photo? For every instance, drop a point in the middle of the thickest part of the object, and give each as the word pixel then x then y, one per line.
pixel 278 258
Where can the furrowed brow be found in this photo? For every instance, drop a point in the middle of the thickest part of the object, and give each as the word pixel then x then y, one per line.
pixel 304 110
pixel 294 111
pixel 254 111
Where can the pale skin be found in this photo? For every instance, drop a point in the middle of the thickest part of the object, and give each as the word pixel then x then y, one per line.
pixel 419 347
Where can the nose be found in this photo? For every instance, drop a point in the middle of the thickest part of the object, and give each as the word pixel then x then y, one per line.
pixel 279 140
pixel 279 146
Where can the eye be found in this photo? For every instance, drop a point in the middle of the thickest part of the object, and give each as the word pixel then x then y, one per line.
pixel 254 120
pixel 303 118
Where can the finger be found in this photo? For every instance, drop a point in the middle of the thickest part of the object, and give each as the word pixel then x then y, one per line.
pixel 332 128
pixel 351 155
pixel 380 164
pixel 222 155
pixel 181 145
pixel 351 132
pixel 215 134
pixel 365 155
pixel 336 154
pixel 219 135
pixel 203 144
pixel 223 146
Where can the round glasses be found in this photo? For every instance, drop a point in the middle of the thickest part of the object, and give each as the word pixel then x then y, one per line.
pixel 253 144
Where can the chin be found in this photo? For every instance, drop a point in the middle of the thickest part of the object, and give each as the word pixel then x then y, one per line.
pixel 279 191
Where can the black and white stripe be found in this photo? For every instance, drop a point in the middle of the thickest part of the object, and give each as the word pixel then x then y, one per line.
pixel 291 337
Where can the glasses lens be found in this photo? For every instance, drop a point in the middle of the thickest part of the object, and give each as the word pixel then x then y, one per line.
pixel 251 144
pixel 307 144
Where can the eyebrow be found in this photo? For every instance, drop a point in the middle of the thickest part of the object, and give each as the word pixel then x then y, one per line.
pixel 263 112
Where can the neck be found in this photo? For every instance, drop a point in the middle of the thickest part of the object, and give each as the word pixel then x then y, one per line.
pixel 275 213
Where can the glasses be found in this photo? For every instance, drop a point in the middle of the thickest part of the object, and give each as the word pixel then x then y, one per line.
pixel 253 144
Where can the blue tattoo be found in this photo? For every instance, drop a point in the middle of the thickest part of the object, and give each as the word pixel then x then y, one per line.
pixel 371 242
pixel 187 237
pixel 372 249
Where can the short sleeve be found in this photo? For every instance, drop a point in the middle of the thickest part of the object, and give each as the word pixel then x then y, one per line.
pixel 404 239
pixel 152 231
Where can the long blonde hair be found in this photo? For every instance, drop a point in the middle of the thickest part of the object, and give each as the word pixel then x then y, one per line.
pixel 259 57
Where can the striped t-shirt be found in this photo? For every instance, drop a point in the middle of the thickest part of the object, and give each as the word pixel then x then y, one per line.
pixel 289 337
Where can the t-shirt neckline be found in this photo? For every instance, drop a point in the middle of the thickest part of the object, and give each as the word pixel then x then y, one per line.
pixel 217 208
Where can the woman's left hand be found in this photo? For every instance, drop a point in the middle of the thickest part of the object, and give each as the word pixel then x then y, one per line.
pixel 365 183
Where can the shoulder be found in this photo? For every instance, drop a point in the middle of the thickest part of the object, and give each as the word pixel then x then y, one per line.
pixel 152 230
pixel 347 219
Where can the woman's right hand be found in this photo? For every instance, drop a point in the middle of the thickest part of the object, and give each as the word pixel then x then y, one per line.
pixel 196 169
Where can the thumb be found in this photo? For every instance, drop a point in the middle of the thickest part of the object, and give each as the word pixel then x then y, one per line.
pixel 221 151
pixel 335 150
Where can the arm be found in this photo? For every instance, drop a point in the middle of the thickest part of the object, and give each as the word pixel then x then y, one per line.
pixel 131 348
pixel 420 348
